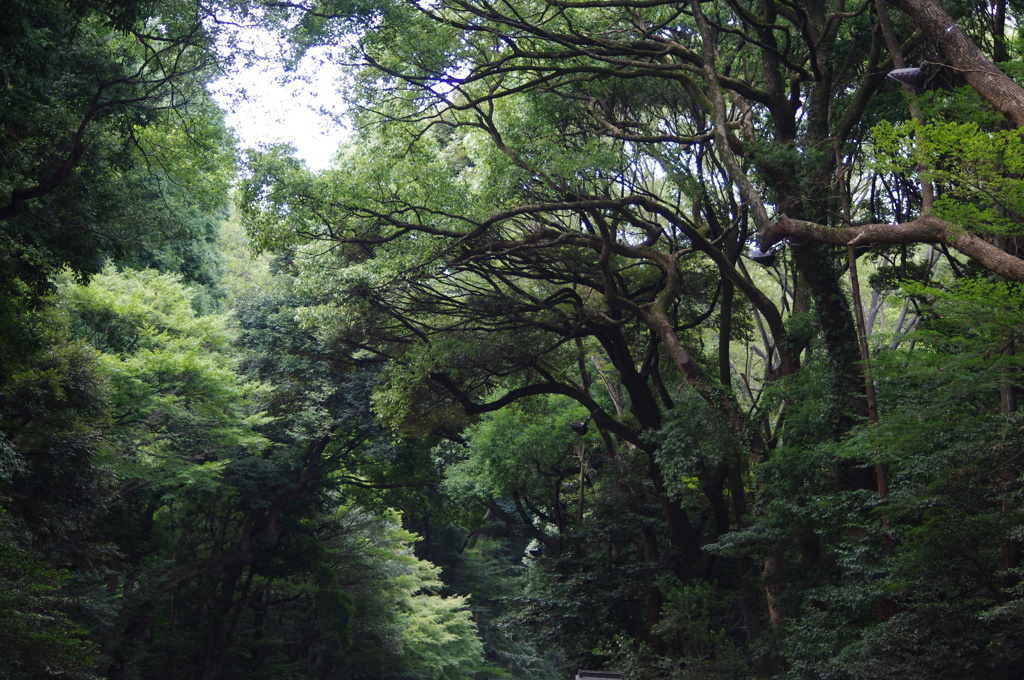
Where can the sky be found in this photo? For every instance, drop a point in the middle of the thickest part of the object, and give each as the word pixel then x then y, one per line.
pixel 264 109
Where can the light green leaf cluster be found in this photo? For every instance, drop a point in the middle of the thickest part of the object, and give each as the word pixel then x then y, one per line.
pixel 439 640
pixel 512 448
pixel 380 185
pixel 197 162
pixel 432 637
pixel 978 172
pixel 180 409
pixel 971 333
pixel 533 129
pixel 128 310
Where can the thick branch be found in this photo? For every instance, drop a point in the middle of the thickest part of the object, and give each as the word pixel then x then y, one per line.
pixel 922 230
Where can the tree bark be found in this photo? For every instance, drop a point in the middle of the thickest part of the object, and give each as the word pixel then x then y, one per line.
pixel 926 229
pixel 966 58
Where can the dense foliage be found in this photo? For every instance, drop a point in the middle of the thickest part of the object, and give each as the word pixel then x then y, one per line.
pixel 666 338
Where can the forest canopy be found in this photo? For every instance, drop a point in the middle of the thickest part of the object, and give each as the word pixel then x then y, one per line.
pixel 675 339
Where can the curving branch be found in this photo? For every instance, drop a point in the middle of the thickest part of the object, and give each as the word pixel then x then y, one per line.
pixel 926 229
pixel 992 84
pixel 154 84
pixel 600 418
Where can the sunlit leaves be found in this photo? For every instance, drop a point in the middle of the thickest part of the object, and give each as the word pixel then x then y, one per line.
pixel 439 638
pixel 421 634
pixel 518 450
pixel 976 171
pixel 179 406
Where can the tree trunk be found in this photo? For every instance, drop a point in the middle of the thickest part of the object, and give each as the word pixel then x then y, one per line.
pixel 966 58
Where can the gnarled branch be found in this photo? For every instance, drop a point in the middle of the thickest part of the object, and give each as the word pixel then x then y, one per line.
pixel 926 229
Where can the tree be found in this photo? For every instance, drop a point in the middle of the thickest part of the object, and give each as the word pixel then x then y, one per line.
pixel 39 638
pixel 522 288
pixel 108 130
pixel 1007 97
pixel 553 199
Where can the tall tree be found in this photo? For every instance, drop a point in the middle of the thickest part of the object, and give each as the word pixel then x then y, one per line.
pixel 111 145
pixel 543 195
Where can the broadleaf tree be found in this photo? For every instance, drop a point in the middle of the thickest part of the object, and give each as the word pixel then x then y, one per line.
pixel 551 198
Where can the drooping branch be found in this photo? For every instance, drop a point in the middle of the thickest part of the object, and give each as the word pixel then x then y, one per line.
pixel 926 229
pixel 151 86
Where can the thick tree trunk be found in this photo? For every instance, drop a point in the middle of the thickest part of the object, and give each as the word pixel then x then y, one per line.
pixel 969 61
pixel 833 311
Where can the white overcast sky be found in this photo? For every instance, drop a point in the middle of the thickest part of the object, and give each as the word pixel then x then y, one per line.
pixel 265 108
